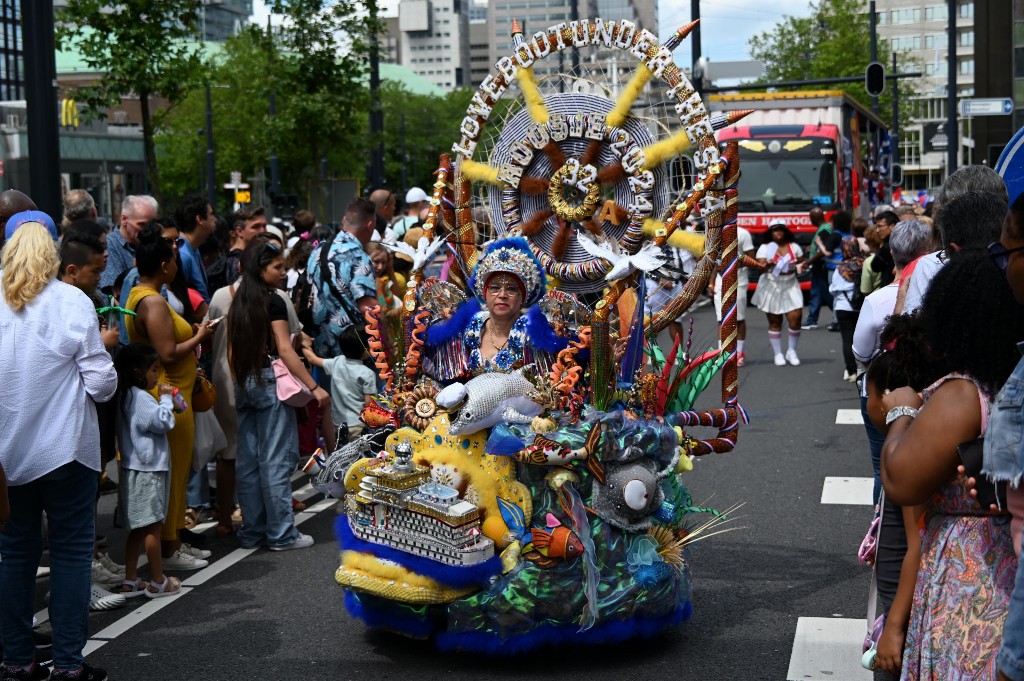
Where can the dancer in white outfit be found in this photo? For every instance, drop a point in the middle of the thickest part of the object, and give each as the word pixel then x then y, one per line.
pixel 778 291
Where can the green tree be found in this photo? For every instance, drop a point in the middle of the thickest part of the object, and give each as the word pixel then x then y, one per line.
pixel 240 78
pixel 835 40
pixel 141 47
pixel 320 74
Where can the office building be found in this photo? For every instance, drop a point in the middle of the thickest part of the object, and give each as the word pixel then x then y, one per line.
pixel 435 39
pixel 917 33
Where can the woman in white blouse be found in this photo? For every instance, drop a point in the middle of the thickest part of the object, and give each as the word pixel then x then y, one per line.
pixel 52 367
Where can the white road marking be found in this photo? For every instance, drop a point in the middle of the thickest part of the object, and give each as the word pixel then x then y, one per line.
pixel 304 492
pixel 130 619
pixel 133 617
pixel 855 491
pixel 849 417
pixel 209 572
pixel 827 648
pixel 91 646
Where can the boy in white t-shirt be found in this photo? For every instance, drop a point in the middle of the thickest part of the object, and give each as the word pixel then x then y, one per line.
pixel 352 382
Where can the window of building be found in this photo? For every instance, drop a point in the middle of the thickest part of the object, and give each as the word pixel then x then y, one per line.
pixel 883 18
pixel 910 147
pixel 936 13
pixel 966 66
pixel 936 41
pixel 966 10
pixel 1018 62
pixel 966 38
pixel 1018 32
pixel 905 16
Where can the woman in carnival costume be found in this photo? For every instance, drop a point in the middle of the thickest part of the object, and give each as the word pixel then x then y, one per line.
pixel 507 280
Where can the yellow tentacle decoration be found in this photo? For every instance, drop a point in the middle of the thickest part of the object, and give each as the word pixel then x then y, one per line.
pixel 666 149
pixel 534 102
pixel 684 241
pixel 634 87
pixel 479 172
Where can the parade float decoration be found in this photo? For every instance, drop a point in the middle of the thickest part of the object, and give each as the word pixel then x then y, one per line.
pixel 538 498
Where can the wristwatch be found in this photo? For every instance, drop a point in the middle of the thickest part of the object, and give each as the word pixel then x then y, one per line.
pixel 897 412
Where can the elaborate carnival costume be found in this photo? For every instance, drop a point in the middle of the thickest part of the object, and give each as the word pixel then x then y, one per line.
pixel 539 499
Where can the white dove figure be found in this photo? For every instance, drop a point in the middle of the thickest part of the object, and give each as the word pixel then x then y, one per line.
pixel 647 259
pixel 423 253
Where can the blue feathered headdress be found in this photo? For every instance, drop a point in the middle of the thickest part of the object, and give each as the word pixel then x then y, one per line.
pixel 512 255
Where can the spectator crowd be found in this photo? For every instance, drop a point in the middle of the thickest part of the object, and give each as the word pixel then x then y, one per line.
pixel 139 359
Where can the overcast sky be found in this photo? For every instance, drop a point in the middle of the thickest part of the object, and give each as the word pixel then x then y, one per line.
pixel 727 24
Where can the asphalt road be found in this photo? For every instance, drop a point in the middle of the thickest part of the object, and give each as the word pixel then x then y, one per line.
pixel 280 615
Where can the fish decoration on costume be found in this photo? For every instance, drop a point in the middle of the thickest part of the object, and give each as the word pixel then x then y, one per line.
pixel 376 415
pixel 556 543
pixel 546 452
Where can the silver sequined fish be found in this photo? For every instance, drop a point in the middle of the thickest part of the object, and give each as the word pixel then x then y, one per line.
pixel 493 398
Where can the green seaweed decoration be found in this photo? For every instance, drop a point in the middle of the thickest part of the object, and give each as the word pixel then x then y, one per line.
pixel 694 379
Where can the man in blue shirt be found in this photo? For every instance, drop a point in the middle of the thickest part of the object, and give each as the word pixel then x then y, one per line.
pixel 196 222
pixel 350 285
pixel 136 211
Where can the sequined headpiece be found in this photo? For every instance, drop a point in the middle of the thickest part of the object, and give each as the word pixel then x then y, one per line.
pixel 511 255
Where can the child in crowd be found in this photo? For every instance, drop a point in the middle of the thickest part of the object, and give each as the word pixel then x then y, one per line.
pixel 142 427
pixel 352 382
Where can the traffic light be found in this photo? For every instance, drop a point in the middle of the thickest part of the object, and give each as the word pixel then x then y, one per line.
pixel 874 79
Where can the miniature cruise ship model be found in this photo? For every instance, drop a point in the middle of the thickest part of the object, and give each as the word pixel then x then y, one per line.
pixel 398 505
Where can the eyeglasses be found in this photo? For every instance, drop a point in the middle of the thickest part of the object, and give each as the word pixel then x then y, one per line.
pixel 173 242
pixel 1001 255
pixel 509 289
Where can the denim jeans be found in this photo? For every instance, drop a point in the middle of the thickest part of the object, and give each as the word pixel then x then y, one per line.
pixel 268 450
pixel 875 442
pixel 67 495
pixel 819 294
pixel 197 494
pixel 1011 653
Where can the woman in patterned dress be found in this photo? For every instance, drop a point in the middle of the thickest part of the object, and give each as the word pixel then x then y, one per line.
pixel 967 561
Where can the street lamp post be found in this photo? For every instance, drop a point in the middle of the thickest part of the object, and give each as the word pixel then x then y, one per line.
pixel 41 101
pixel 211 161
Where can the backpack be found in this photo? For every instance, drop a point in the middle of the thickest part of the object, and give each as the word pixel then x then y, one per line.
pixel 304 294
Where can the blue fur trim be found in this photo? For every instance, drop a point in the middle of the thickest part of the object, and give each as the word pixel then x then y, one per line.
pixel 542 336
pixel 442 332
pixel 379 618
pixel 521 244
pixel 552 636
pixel 449 575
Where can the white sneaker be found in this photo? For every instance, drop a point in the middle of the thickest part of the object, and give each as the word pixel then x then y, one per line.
pixel 194 552
pixel 101 599
pixel 111 565
pixel 183 561
pixel 303 541
pixel 780 361
pixel 103 576
pixel 792 358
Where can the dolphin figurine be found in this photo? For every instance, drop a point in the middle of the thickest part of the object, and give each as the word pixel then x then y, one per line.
pixel 493 398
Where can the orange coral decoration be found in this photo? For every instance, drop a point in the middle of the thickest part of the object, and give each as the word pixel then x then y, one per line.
pixel 377 351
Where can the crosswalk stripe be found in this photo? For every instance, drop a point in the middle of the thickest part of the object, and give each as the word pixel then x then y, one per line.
pixel 855 491
pixel 827 648
pixel 849 417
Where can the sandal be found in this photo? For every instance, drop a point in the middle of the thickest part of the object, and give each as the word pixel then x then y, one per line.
pixel 131 588
pixel 170 587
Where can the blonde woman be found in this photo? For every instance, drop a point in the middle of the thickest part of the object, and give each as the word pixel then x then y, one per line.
pixel 55 366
